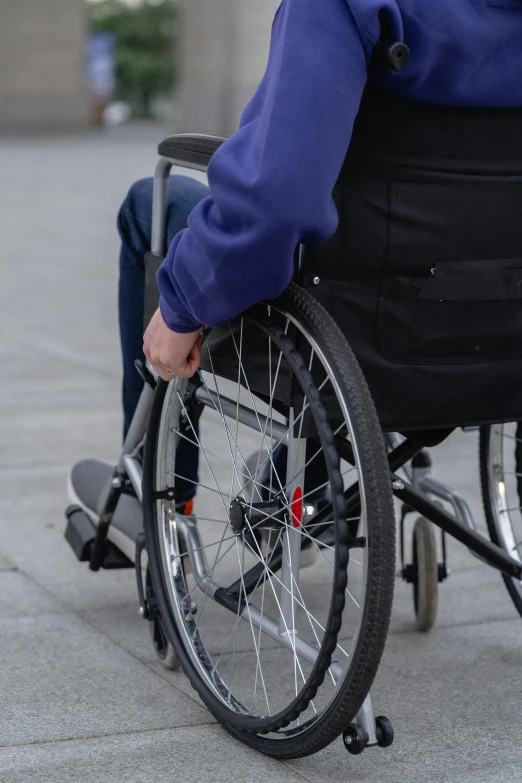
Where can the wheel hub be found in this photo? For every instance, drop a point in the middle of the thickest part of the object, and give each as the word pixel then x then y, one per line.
pixel 270 515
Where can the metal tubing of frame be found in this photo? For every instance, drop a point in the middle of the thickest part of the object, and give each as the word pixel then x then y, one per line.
pixel 492 554
pixel 245 415
pixel 135 474
pixel 159 207
pixel 138 425
pixel 188 529
pixel 260 620
pixel 295 469
pixel 366 719
pixel 463 513
pixel 308 651
pixel 431 486
pixel 401 454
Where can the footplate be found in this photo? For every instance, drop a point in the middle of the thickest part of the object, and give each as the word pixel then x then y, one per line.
pixel 80 534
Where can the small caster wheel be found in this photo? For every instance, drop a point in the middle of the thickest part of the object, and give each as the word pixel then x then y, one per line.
pixel 355 739
pixel 426 583
pixel 384 732
pixel 164 650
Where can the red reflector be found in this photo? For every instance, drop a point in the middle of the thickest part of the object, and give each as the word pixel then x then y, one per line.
pixel 297 507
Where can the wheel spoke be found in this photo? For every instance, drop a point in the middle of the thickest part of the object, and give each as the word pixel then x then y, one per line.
pixel 263 644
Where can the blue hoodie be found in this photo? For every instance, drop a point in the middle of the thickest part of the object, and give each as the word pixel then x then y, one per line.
pixel 271 183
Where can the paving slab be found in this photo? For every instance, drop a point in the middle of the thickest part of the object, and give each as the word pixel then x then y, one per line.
pixel 188 755
pixel 32 530
pixel 51 448
pixel 61 679
pixel 453 697
pixel 123 625
pixel 109 593
pixel 5 564
pixel 21 597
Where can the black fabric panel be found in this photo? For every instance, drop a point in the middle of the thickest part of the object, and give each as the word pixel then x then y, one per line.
pixel 489 280
pixel 424 186
pixel 428 222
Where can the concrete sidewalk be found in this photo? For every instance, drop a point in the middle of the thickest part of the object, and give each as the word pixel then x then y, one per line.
pixel 82 696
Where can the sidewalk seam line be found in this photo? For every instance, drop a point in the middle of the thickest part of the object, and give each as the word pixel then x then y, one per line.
pixel 102 736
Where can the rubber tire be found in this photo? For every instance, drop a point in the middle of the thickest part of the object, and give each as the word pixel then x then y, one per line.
pixel 171 660
pixel 167 656
pixel 359 740
pixel 485 432
pixel 384 731
pixel 381 554
pixel 425 590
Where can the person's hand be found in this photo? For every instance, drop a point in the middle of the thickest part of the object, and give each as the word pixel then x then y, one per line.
pixel 171 354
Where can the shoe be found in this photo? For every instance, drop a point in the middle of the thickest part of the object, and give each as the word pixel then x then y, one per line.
pixel 88 486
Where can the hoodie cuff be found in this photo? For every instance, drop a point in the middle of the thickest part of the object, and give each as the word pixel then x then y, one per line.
pixel 177 320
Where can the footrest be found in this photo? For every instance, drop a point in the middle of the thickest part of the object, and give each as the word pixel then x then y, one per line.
pixel 80 532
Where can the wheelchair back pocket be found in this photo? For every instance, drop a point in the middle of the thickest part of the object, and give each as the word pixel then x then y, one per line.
pixel 451 290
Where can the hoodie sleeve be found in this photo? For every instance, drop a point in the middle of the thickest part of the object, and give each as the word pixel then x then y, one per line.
pixel 271 183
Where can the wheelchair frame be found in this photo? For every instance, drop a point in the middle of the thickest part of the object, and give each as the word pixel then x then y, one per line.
pixel 195 152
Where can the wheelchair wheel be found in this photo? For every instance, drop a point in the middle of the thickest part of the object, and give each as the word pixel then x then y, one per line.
pixel 283 658
pixel 500 454
pixel 426 584
pixel 164 649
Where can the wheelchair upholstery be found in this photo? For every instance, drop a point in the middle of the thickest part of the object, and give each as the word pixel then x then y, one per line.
pixel 424 274
pixel 430 195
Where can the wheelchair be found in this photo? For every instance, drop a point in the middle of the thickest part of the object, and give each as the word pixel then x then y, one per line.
pixel 274 593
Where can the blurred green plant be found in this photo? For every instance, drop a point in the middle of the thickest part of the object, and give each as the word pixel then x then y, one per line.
pixel 145 43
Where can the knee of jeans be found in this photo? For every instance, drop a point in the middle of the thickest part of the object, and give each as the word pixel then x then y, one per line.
pixel 135 214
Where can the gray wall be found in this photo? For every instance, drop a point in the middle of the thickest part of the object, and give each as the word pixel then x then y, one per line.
pixel 41 63
pixel 223 57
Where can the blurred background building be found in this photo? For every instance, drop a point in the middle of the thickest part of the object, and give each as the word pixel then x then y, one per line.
pixel 224 49
pixel 41 63
pixel 193 62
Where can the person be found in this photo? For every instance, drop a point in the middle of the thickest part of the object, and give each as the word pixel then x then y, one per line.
pixel 326 136
pixel 271 183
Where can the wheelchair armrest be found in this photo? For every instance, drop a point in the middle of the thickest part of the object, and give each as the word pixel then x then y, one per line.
pixel 193 151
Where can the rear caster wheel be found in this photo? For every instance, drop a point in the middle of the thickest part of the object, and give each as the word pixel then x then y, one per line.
pixel 355 739
pixel 384 731
pixel 426 582
pixel 164 650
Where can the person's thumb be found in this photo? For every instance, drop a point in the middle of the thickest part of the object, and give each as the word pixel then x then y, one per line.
pixel 194 358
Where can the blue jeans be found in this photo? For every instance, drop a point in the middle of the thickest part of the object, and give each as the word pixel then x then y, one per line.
pixel 135 226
